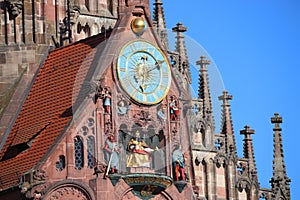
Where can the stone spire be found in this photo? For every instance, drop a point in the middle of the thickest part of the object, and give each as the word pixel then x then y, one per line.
pixel 203 90
pixel 227 127
pixel 184 66
pixel 248 151
pixel 160 23
pixel 280 182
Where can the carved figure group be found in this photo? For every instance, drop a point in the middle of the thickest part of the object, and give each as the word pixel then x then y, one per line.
pixel 138 152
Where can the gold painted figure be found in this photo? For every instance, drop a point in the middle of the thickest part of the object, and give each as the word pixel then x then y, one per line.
pixel 139 152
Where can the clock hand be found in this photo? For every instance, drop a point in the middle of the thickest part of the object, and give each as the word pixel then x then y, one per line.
pixel 157 65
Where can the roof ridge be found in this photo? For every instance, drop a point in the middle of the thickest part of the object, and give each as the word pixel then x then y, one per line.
pixel 106 34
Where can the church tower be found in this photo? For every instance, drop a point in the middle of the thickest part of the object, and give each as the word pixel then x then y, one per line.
pixel 280 182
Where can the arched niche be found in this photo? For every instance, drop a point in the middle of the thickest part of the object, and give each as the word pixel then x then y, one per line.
pixel 69 189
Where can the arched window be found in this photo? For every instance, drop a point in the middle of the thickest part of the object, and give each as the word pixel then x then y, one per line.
pixel 78 153
pixel 61 163
pixel 91 151
pixel 87 30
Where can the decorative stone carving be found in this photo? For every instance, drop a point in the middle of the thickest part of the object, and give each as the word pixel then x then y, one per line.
pixel 221 160
pixel 107 127
pixel 123 106
pixel 143 118
pixel 100 168
pixel 243 184
pixel 37 192
pixel 265 195
pixel 174 59
pixel 74 15
pixel 174 131
pixel 40 175
pixel 242 168
pixel 68 192
pixel 197 109
pixel 14 8
pixel 219 144
pixel 35 189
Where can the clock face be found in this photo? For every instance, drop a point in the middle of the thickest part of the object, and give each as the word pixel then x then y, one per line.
pixel 143 72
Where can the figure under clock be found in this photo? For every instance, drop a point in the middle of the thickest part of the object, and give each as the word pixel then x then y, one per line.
pixel 143 72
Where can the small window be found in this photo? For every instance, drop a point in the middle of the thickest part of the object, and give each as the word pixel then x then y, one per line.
pixel 91 152
pixel 91 122
pixel 85 130
pixel 61 163
pixel 78 153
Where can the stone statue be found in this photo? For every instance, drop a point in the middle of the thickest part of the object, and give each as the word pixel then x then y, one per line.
pixel 178 164
pixel 123 107
pixel 111 151
pixel 161 114
pixel 174 111
pixel 107 101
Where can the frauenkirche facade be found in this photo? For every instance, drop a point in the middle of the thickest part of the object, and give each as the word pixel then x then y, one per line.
pixel 96 106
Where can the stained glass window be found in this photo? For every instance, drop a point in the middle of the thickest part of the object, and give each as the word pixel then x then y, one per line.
pixel 91 151
pixel 78 153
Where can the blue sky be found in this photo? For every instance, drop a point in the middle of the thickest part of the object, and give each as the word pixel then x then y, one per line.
pixel 255 45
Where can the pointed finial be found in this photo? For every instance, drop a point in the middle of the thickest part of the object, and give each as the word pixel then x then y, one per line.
pixel 160 22
pixel 226 126
pixel 280 182
pixel 248 150
pixel 203 62
pixel 158 2
pixel 179 28
pixel 277 121
pixel 247 131
pixel 225 98
pixel 184 64
pixel 203 90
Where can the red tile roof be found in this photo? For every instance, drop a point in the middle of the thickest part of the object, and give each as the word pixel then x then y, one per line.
pixel 47 108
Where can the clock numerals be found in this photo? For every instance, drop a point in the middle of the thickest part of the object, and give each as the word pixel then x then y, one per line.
pixel 165 75
pixel 122 69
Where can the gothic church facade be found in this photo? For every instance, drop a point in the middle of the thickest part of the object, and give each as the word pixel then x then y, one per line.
pixel 107 111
